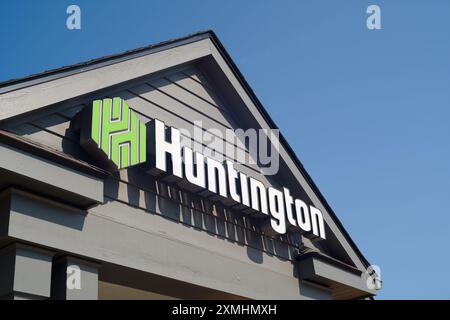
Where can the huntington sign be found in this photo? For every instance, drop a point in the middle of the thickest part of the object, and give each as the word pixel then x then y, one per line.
pixel 112 132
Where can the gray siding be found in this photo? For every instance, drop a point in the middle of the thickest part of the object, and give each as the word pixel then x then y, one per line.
pixel 178 98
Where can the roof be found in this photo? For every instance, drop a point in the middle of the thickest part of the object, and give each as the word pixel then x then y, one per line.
pixel 65 71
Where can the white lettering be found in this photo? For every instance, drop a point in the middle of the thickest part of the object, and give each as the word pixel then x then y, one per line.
pixel 202 172
pixel 194 167
pixel 216 177
pixel 258 196
pixel 163 148
pixel 276 205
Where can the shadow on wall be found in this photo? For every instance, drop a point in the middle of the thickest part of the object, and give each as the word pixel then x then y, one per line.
pixel 137 188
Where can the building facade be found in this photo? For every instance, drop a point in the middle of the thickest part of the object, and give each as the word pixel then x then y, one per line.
pixel 93 207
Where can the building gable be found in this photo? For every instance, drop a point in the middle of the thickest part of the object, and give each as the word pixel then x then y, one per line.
pixel 180 83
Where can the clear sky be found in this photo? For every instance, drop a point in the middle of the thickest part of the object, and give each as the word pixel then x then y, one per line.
pixel 367 111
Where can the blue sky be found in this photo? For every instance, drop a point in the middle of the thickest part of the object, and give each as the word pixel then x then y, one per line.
pixel 367 112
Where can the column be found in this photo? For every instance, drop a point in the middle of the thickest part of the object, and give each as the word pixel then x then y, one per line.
pixel 74 279
pixel 25 272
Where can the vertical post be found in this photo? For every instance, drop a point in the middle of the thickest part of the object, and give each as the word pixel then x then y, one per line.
pixel 74 279
pixel 25 272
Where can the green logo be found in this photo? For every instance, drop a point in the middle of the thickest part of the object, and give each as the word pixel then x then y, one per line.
pixel 115 131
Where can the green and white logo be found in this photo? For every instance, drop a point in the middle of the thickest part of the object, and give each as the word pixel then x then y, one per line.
pixel 112 133
pixel 115 131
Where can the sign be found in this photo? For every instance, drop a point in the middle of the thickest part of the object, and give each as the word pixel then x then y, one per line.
pixel 112 132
